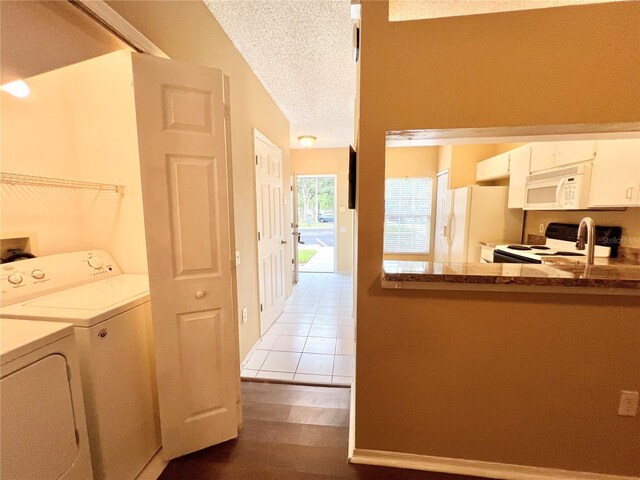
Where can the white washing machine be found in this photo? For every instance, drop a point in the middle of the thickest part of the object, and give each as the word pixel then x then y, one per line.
pixel 111 315
pixel 43 431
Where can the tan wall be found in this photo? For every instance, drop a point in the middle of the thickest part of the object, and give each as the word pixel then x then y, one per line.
pixel 464 158
pixel 188 32
pixel 506 147
pixel 461 161
pixel 331 161
pixel 411 161
pixel 515 378
pixel 414 162
pixel 78 123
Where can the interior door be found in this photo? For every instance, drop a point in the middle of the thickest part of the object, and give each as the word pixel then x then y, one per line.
pixel 181 139
pixel 271 239
pixel 443 211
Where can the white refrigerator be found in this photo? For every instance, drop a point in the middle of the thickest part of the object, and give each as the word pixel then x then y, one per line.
pixel 478 214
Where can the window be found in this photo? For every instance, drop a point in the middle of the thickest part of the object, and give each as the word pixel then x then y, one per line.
pixel 407 217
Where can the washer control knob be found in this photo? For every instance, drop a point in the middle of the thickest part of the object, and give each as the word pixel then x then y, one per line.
pixel 37 274
pixel 96 262
pixel 15 279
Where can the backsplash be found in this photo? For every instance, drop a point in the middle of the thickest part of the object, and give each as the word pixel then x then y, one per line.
pixel 628 219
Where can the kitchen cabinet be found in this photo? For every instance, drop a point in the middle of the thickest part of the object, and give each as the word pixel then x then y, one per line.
pixel 493 168
pixel 615 178
pixel 518 170
pixel 547 155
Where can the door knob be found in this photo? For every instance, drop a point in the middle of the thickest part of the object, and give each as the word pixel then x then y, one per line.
pixel 200 294
pixel 283 242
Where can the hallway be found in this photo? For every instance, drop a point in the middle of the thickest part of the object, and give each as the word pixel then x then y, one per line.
pixel 313 339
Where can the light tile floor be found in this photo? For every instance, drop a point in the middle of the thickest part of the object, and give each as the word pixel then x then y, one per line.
pixel 312 341
pixel 322 261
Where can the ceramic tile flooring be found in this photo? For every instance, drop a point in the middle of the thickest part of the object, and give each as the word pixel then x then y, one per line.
pixel 313 340
pixel 322 261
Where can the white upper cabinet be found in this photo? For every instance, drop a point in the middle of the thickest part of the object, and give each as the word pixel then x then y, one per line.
pixel 493 168
pixel 543 156
pixel 615 179
pixel 574 152
pixel 518 170
pixel 547 155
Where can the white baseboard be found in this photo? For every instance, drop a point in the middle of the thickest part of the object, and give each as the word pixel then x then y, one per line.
pixel 477 468
pixel 352 415
pixel 154 468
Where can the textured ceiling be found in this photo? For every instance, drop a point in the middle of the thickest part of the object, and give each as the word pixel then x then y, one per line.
pixel 416 9
pixel 302 51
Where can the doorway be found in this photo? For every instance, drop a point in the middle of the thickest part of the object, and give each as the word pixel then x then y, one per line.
pixel 316 208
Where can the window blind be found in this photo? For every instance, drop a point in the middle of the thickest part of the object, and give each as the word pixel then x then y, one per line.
pixel 407 222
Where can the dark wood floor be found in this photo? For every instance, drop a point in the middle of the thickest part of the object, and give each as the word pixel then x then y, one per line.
pixel 291 432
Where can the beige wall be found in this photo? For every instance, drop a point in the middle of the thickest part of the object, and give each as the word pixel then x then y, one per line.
pixel 515 378
pixel 331 161
pixel 461 161
pixel 506 147
pixel 78 123
pixel 414 162
pixel 188 32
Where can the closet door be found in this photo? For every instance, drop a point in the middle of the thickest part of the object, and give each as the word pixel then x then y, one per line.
pixel 181 135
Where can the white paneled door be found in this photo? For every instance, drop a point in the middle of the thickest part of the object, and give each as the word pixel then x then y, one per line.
pixel 181 135
pixel 271 238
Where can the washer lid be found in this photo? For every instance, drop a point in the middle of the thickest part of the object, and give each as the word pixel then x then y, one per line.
pixel 21 337
pixel 85 305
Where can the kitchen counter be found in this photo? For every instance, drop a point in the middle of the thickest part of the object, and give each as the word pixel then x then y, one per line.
pixel 514 277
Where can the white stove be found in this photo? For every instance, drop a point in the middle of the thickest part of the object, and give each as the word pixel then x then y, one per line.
pixel 560 242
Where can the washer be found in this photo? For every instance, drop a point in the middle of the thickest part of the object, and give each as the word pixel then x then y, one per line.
pixel 43 431
pixel 111 315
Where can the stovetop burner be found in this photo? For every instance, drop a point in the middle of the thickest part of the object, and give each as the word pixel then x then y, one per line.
pixel 540 247
pixel 519 247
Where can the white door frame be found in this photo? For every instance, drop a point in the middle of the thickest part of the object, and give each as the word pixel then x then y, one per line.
pixel 335 208
pixel 295 274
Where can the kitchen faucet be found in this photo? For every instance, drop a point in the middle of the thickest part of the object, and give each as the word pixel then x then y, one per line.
pixel 587 225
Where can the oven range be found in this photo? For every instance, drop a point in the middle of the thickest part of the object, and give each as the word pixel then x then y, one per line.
pixel 560 242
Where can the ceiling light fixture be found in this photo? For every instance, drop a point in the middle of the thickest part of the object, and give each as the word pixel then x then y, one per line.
pixel 307 140
pixel 17 88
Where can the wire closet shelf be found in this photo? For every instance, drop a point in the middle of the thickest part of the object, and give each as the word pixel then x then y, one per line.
pixel 34 180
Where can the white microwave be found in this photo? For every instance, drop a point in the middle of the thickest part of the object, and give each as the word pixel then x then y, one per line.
pixel 561 189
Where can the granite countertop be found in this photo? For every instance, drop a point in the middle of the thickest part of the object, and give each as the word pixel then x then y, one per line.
pixel 613 279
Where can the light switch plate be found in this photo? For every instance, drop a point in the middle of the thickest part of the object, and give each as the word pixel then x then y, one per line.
pixel 628 406
pixel 245 315
pixel 237 257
